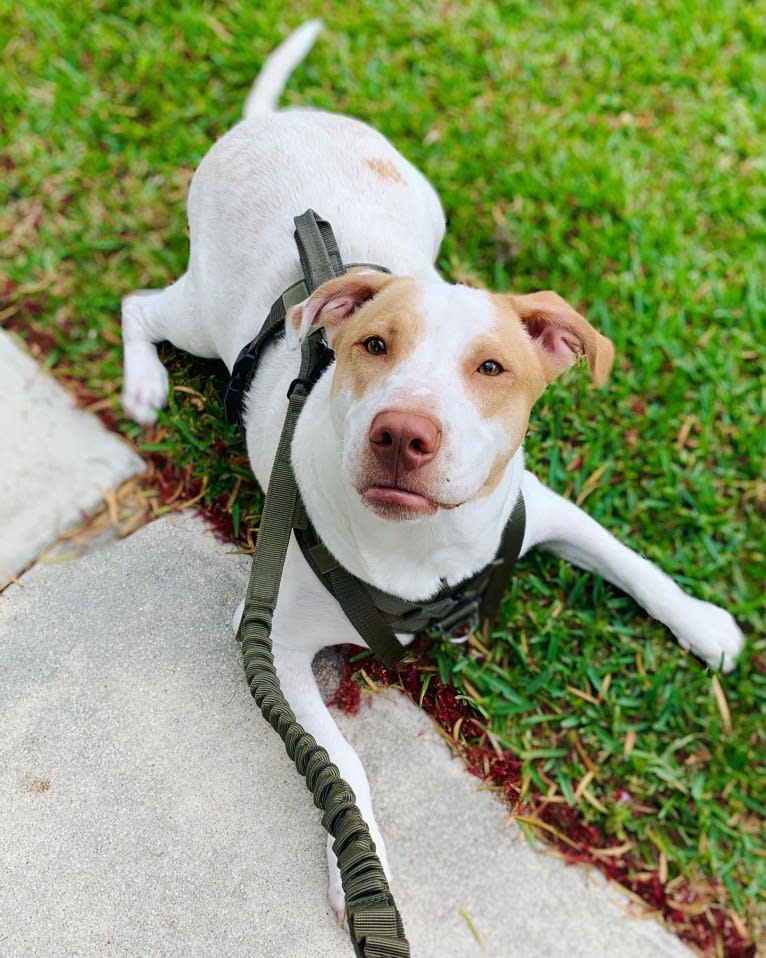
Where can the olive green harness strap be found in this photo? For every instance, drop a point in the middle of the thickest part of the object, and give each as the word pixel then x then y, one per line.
pixel 374 922
pixel 318 249
pixel 320 260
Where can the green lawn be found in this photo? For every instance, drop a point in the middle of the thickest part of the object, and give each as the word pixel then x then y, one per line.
pixel 614 152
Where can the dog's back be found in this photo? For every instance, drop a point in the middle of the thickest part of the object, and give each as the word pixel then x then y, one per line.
pixel 273 166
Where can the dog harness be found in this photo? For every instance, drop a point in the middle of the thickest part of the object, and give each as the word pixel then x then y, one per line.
pixel 374 922
pixel 455 612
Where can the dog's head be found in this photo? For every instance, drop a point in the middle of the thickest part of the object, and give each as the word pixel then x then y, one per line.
pixel 433 384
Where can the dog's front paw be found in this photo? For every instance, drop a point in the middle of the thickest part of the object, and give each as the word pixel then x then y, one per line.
pixel 711 633
pixel 146 383
pixel 335 893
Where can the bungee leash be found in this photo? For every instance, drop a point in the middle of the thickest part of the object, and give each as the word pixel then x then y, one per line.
pixel 374 922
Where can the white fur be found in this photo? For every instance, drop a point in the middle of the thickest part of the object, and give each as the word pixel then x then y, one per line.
pixel 242 201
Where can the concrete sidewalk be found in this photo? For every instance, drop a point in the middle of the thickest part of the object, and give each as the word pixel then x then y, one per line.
pixel 146 809
pixel 57 460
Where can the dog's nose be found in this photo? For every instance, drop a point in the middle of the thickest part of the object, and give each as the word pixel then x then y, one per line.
pixel 404 439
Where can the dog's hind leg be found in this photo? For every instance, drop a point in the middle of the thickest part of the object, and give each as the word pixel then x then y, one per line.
pixel 148 316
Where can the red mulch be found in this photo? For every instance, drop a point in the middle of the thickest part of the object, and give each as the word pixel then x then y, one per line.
pixel 687 910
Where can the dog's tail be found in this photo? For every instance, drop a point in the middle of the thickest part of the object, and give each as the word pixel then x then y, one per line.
pixel 271 81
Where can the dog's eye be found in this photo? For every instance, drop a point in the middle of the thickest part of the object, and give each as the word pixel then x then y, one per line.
pixel 375 345
pixel 490 367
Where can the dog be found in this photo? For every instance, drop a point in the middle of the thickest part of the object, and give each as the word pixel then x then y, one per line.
pixel 408 452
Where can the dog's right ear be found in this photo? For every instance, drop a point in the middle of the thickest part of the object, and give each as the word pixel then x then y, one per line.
pixel 332 303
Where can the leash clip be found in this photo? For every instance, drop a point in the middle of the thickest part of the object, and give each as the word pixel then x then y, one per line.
pixel 299 383
pixel 459 625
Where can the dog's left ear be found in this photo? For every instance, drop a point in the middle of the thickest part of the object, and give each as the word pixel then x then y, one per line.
pixel 332 303
pixel 561 334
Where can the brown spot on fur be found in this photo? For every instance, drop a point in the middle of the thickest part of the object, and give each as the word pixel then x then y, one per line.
pixel 294 318
pixel 385 169
pixel 393 316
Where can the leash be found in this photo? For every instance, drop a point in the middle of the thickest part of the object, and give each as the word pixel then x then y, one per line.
pixel 374 922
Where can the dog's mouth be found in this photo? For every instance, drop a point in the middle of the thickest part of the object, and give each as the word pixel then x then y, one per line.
pixel 398 502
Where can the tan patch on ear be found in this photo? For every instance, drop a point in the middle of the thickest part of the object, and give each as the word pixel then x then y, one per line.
pixel 393 316
pixel 547 315
pixel 385 169
pixel 333 302
pixel 602 362
pixel 342 296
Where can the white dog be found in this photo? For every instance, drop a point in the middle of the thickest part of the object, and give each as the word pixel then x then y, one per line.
pixel 408 453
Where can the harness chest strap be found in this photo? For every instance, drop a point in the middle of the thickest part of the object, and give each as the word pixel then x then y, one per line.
pixel 454 613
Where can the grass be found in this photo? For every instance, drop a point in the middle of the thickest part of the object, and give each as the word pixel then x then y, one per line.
pixel 611 151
